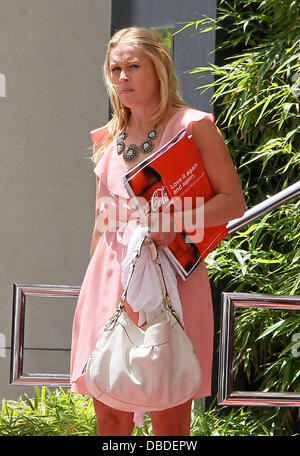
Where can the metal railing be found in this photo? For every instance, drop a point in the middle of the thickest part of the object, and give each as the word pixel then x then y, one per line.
pixel 266 206
pixel 232 301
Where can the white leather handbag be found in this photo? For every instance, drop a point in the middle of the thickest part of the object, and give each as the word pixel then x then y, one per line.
pixel 153 367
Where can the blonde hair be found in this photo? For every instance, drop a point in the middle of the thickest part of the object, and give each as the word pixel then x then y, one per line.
pixel 170 96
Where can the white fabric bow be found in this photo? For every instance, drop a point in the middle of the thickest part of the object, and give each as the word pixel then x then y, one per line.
pixel 144 293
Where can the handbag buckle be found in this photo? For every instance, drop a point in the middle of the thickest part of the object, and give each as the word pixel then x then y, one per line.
pixel 176 317
pixel 113 319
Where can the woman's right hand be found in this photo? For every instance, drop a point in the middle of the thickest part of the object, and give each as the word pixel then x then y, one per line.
pixel 162 229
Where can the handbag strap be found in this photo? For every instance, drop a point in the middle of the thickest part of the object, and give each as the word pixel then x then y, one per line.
pixel 155 258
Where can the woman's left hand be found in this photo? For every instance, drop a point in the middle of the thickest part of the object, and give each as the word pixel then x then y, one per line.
pixel 162 229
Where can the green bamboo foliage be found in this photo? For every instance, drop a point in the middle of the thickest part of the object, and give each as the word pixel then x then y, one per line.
pixel 49 413
pixel 257 92
pixel 275 363
pixel 62 413
pixel 258 89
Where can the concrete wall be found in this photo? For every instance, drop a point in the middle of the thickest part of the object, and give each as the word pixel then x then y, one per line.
pixel 51 96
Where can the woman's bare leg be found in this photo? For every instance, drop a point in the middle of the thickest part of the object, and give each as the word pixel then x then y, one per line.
pixel 173 421
pixel 111 421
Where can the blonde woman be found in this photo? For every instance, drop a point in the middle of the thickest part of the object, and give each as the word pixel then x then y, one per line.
pixel 143 90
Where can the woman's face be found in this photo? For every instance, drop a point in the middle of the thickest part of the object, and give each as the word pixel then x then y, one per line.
pixel 134 76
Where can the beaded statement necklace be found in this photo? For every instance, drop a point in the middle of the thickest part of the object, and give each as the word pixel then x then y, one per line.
pixel 133 150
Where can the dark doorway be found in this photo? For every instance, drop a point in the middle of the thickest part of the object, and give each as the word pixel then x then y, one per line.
pixel 190 50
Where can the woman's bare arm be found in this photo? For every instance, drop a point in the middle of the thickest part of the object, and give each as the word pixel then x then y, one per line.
pixel 228 202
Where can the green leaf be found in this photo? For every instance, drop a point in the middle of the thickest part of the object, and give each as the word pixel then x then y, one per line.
pixel 271 329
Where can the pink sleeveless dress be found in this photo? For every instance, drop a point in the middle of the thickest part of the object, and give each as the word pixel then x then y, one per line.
pixel 101 288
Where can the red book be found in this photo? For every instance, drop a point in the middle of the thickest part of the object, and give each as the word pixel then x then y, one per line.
pixel 163 180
